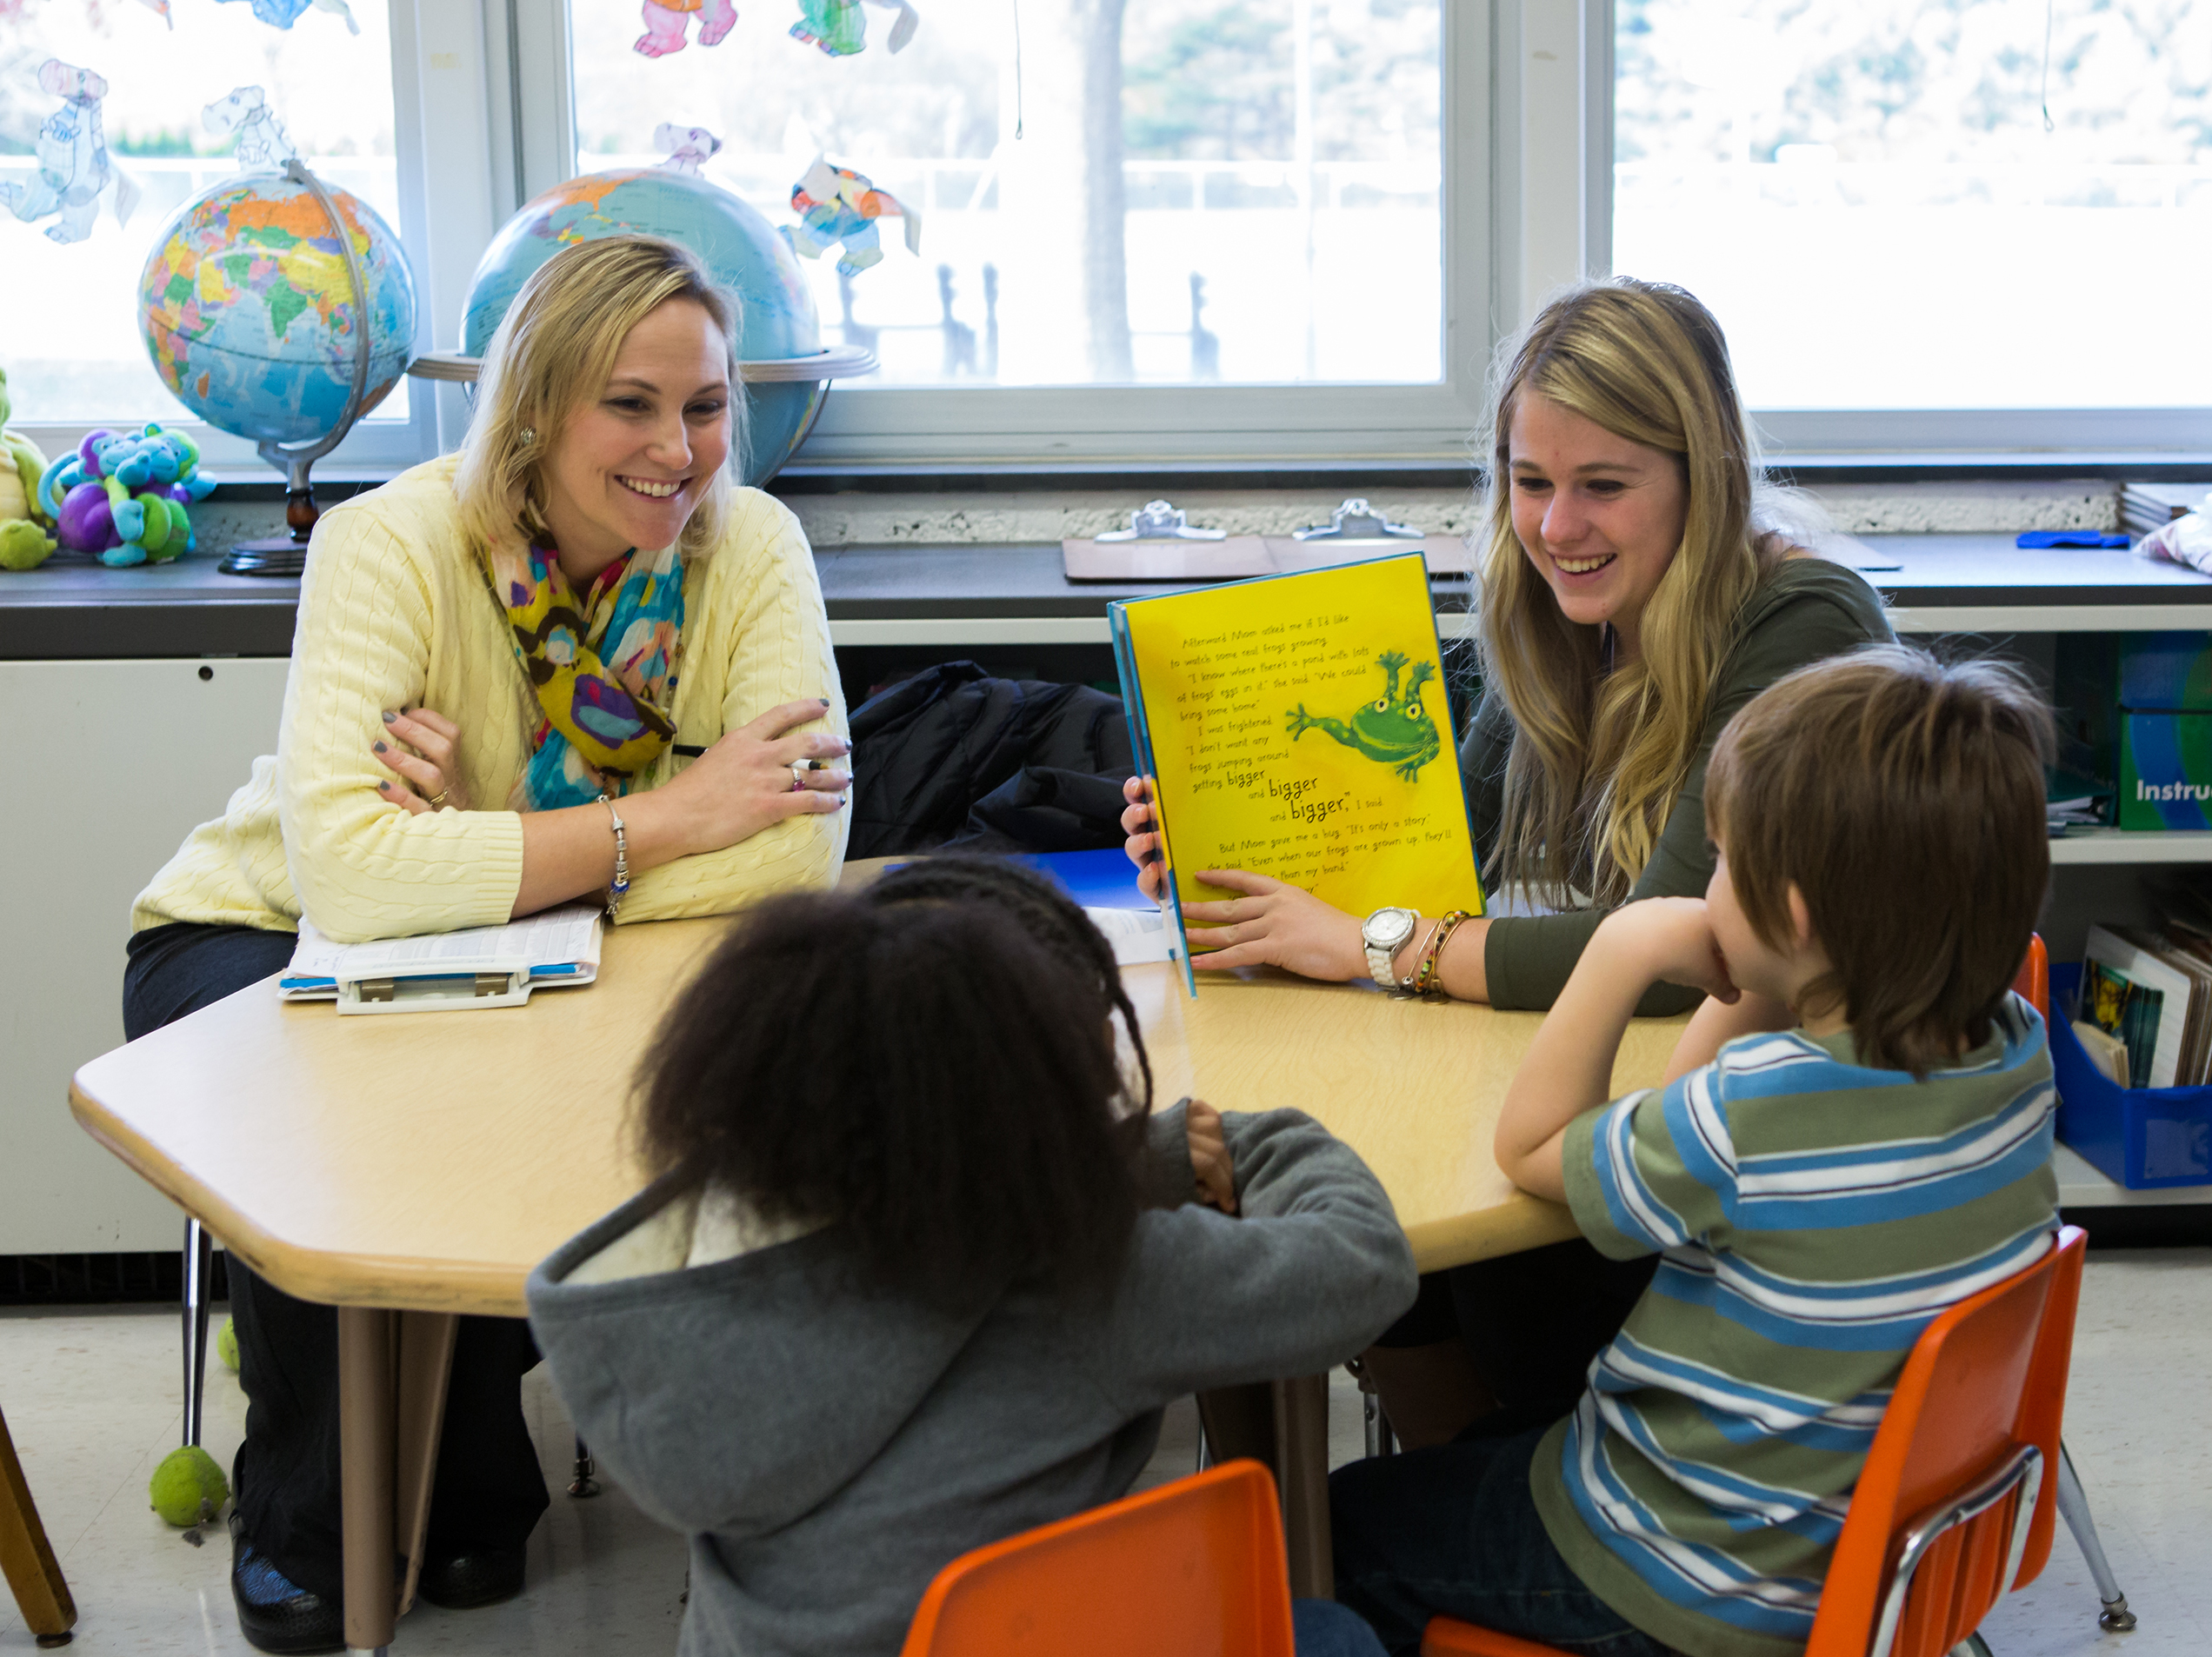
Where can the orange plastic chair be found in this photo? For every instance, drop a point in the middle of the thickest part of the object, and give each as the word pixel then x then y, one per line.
pixel 2033 986
pixel 1954 1509
pixel 1195 1568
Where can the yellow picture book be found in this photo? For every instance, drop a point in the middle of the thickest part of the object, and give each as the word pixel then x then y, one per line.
pixel 1296 726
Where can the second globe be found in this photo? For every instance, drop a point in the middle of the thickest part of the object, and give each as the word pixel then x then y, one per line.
pixel 741 249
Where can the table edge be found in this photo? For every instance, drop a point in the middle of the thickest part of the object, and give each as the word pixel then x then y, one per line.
pixel 395 1282
pixel 1521 1223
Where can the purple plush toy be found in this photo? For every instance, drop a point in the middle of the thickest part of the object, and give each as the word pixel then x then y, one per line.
pixel 123 495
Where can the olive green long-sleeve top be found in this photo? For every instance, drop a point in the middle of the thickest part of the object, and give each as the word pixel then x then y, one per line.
pixel 1806 610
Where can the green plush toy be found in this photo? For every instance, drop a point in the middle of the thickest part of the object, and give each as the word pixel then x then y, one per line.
pixel 226 1343
pixel 25 532
pixel 188 1488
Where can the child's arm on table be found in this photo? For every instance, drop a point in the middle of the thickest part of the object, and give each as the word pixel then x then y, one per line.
pixel 1717 1022
pixel 1313 1270
pixel 1569 1068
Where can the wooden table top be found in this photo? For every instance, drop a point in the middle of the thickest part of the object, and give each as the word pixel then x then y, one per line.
pixel 428 1160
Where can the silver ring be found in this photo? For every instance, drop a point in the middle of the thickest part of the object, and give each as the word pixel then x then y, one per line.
pixel 798 775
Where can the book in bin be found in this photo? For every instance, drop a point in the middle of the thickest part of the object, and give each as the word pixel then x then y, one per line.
pixel 1296 726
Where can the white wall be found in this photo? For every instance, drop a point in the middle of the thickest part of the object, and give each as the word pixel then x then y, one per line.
pixel 129 756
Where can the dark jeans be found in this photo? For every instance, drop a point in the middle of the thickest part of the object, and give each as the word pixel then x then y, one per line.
pixel 1323 1628
pixel 489 1490
pixel 1532 1322
pixel 1454 1531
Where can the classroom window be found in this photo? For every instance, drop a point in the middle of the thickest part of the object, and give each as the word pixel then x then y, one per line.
pixel 1255 198
pixel 1869 196
pixel 74 354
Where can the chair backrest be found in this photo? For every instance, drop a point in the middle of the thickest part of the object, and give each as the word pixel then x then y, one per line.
pixel 1195 1568
pixel 2033 986
pixel 1954 1506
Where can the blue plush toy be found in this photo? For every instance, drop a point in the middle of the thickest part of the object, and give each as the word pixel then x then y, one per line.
pixel 123 495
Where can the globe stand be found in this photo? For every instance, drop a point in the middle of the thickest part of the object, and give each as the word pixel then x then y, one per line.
pixel 286 555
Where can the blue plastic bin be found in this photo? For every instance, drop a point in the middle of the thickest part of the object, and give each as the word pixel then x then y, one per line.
pixel 2145 1138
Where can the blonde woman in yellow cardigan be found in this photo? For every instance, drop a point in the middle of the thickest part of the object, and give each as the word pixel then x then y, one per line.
pixel 573 660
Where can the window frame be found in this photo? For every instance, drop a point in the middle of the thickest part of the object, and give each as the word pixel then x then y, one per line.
pixel 375 448
pixel 1254 422
pixel 1526 199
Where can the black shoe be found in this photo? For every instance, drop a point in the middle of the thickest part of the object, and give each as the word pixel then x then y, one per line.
pixel 275 1614
pixel 479 1576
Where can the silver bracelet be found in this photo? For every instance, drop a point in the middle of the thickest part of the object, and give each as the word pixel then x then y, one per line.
pixel 619 887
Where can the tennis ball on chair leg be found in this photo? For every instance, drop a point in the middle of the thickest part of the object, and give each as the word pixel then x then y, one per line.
pixel 188 1488
pixel 226 1343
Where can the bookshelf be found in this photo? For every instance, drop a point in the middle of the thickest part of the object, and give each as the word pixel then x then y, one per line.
pixel 2125 847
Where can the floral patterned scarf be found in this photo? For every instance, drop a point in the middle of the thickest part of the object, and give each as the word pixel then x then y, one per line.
pixel 603 667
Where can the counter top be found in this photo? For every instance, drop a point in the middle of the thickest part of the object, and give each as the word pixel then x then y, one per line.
pixel 73 607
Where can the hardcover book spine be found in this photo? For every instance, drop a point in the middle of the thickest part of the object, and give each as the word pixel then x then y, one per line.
pixel 1141 744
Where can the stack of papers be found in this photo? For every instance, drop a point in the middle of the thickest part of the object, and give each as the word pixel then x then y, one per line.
pixel 480 967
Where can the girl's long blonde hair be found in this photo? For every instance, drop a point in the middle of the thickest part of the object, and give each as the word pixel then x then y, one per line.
pixel 553 353
pixel 1598 755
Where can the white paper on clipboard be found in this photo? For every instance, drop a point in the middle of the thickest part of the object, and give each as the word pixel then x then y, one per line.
pixel 478 966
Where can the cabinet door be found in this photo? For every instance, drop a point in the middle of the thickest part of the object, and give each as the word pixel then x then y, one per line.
pixel 125 759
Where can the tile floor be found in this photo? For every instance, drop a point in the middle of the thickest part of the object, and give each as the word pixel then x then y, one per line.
pixel 91 1399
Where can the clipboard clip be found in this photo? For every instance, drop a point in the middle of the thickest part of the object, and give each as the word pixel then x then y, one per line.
pixel 442 993
pixel 1157 520
pixel 1356 520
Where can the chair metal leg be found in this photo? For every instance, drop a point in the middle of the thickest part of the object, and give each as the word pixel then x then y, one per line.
pixel 1381 1441
pixel 199 1261
pixel 581 1481
pixel 2074 1507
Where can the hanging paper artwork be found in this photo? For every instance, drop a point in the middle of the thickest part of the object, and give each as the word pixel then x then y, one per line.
pixel 667 20
pixel 688 148
pixel 73 167
pixel 836 204
pixel 282 14
pixel 263 145
pixel 840 26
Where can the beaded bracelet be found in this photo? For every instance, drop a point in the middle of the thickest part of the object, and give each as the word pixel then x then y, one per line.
pixel 619 887
pixel 1424 975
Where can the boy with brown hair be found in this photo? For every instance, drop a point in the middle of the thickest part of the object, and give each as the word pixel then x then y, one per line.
pixel 1854 1134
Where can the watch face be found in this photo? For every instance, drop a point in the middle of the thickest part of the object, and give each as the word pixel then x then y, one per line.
pixel 1387 929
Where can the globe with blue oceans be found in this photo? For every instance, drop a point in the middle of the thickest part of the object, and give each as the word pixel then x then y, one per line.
pixel 740 249
pixel 247 308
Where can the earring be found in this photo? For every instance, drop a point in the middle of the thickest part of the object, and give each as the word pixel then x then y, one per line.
pixel 527 436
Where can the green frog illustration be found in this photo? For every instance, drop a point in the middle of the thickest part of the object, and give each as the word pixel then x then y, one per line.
pixel 1393 729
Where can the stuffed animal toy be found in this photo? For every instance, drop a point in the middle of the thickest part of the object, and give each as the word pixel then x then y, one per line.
pixel 25 537
pixel 123 495
pixel 666 21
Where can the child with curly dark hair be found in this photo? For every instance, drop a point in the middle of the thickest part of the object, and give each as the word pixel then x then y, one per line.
pixel 921 1267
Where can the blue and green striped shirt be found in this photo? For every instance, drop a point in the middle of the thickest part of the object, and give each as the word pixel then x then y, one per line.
pixel 1812 1215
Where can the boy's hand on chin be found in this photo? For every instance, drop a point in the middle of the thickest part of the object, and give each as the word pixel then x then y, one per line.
pixel 1670 940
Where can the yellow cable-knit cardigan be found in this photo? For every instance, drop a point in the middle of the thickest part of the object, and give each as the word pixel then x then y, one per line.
pixel 394 613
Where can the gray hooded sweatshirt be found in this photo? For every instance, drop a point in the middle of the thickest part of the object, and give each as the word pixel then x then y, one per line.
pixel 828 1452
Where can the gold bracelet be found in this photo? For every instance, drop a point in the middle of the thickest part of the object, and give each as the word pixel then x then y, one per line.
pixel 1424 975
pixel 1410 984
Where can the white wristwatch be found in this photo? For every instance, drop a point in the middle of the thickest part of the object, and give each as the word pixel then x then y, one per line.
pixel 1385 933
